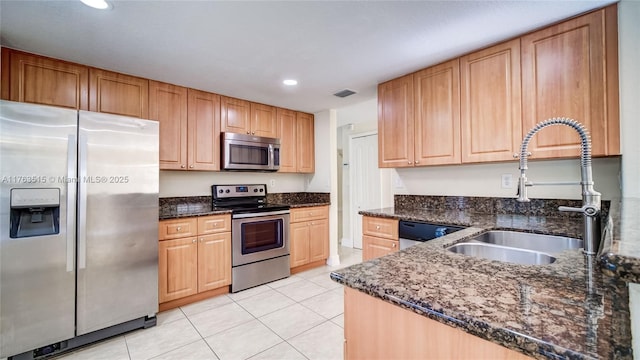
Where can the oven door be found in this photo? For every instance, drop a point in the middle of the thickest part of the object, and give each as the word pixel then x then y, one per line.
pixel 259 236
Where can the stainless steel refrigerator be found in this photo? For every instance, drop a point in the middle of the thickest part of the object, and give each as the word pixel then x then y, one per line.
pixel 79 227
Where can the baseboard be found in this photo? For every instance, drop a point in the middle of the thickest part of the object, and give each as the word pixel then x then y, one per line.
pixel 348 242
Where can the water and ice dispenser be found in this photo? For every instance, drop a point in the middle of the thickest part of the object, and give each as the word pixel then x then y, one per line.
pixel 35 212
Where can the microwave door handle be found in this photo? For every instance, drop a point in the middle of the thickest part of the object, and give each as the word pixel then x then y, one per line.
pixel 271 157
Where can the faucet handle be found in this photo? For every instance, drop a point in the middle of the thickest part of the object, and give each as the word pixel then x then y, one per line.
pixel 588 210
pixel 517 155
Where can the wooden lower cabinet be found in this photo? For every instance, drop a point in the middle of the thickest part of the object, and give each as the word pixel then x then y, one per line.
pixel 375 329
pixel 379 237
pixel 214 261
pixel 309 237
pixel 191 268
pixel 177 268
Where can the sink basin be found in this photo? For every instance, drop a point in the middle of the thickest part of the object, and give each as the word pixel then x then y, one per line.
pixel 502 253
pixel 545 243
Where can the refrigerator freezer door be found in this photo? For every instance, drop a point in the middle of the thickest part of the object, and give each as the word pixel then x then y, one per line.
pixel 117 220
pixel 37 276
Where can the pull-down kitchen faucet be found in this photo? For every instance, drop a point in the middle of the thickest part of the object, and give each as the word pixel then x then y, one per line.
pixel 590 198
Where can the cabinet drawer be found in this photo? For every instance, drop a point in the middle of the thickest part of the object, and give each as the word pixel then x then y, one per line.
pixel 214 224
pixel 178 228
pixel 380 227
pixel 309 213
pixel 374 247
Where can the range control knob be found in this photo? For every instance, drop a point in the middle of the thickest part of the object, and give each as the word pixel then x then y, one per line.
pixel 227 191
pixel 256 190
pixel 261 190
pixel 220 191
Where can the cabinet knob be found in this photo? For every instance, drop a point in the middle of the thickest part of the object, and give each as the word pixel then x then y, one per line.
pixel 377 227
pixel 393 245
pixel 182 166
pixel 179 228
pixel 410 163
pixel 248 132
pixel 193 241
pixel 416 162
pixel 253 133
pixel 201 239
pixel 190 166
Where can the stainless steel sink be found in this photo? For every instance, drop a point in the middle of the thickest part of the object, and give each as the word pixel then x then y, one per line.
pixel 516 247
pixel 546 243
pixel 503 253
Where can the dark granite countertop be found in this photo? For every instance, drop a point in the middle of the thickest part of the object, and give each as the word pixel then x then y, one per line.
pixel 180 207
pixel 567 309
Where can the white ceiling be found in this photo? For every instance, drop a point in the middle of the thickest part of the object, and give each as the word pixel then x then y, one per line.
pixel 245 49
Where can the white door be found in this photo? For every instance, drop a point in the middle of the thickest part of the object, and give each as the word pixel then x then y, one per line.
pixel 365 181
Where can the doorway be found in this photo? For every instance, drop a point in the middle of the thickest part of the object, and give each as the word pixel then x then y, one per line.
pixel 364 180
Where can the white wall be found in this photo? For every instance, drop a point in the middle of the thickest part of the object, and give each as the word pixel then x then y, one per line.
pixel 629 57
pixel 198 183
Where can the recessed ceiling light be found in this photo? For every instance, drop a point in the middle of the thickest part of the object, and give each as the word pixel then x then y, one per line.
pixel 290 82
pixel 96 4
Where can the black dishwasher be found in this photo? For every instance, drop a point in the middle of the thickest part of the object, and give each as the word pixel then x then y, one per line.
pixel 413 233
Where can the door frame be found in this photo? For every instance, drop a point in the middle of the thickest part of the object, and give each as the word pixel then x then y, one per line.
pixel 353 219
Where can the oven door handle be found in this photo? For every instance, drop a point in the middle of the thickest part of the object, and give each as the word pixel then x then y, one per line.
pixel 259 214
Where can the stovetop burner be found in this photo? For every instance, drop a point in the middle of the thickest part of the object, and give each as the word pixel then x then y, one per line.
pixel 242 199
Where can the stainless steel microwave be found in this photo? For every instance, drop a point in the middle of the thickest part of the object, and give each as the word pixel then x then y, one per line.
pixel 248 152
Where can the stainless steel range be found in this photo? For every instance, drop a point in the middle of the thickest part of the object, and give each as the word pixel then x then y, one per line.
pixel 259 234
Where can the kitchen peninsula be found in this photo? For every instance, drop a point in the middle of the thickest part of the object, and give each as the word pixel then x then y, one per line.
pixel 567 309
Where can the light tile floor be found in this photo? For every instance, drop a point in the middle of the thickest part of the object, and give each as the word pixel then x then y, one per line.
pixel 300 317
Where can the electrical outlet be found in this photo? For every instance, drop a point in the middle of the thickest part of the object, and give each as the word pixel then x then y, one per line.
pixel 507 181
pixel 272 184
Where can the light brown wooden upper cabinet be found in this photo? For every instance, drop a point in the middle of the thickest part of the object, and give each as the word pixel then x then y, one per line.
pixel 168 105
pixel 203 131
pixel 395 123
pixel 287 127
pixel 263 120
pixel 490 94
pixel 570 70
pixel 244 117
pixel 305 143
pixel 189 126
pixel 119 94
pixel 437 115
pixel 41 80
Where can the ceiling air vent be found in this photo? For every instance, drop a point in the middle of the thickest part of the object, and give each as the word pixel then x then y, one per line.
pixel 344 93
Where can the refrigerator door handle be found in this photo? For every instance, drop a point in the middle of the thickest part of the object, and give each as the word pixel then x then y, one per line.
pixel 82 201
pixel 72 151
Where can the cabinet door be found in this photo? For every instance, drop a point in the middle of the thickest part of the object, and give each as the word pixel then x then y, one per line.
pixel 437 121
pixel 203 130
pixel 305 147
pixel 214 261
pixel 263 120
pixel 318 240
pixel 168 105
pixel 288 139
pixel 373 247
pixel 235 115
pixel 299 244
pixel 491 116
pixel 119 94
pixel 395 123
pixel 564 75
pixel 177 268
pixel 40 80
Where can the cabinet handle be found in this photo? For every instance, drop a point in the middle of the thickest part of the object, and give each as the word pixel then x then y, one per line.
pixel 190 166
pixel 179 228
pixel 182 166
pixel 393 245
pixel 253 133
pixel 248 132
pixel 377 227
pixel 416 162
pixel 193 241
pixel 410 163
